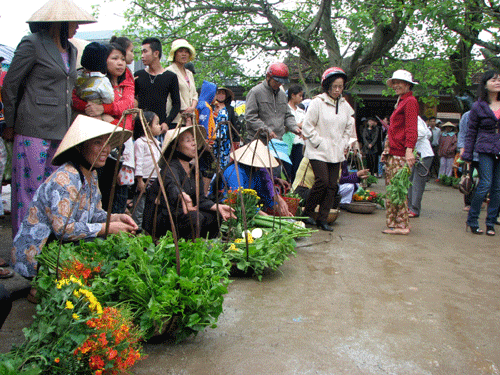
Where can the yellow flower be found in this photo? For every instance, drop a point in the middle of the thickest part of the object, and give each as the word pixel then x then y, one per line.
pixel 75 316
pixel 77 293
pixel 233 247
pixel 69 305
pixel 238 240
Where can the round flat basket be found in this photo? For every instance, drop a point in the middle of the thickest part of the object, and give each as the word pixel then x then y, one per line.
pixel 332 216
pixel 360 207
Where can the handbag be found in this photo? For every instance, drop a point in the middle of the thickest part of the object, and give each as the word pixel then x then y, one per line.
pixel 466 184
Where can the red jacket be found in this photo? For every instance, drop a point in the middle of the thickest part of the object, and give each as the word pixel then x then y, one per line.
pixel 403 126
pixel 124 99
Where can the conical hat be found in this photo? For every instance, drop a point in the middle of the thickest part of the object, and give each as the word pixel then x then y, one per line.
pixel 173 134
pixel 450 124
pixel 61 11
pixel 85 128
pixel 255 154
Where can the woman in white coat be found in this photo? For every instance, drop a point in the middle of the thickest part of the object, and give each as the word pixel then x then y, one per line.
pixel 420 171
pixel 327 127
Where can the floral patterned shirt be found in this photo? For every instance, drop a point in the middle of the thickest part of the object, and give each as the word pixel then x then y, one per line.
pixel 61 199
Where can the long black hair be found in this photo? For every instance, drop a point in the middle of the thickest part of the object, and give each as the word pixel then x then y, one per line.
pixel 138 130
pixel 118 47
pixel 63 30
pixel 482 91
pixel 121 40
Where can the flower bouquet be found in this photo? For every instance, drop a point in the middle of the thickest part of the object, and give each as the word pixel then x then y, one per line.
pixel 73 334
pixel 233 228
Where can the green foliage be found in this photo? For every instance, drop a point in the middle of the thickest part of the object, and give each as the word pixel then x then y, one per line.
pixel 235 40
pixel 142 276
pixel 397 190
pixel 268 251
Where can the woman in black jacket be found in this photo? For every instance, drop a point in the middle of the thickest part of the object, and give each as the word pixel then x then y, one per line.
pixel 194 215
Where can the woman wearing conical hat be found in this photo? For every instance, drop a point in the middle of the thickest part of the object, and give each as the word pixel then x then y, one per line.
pixel 194 214
pixel 254 161
pixel 67 206
pixel 37 97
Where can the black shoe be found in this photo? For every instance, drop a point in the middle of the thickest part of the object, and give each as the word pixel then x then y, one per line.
pixel 324 226
pixel 309 221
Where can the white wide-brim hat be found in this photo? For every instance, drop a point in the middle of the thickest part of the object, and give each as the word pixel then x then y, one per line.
pixel 255 154
pixel 402 75
pixel 181 43
pixel 85 128
pixel 61 11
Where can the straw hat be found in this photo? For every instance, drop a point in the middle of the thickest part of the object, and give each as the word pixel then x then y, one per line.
pixel 255 154
pixel 402 75
pixel 85 128
pixel 61 11
pixel 173 134
pixel 181 43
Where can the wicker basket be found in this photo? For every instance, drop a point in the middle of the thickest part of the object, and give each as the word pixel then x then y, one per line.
pixel 360 207
pixel 293 204
pixel 332 216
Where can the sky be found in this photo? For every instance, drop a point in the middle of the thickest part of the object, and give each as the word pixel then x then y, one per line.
pixel 13 19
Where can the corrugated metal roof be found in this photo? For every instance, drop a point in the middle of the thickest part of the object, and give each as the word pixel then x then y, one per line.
pixel 96 36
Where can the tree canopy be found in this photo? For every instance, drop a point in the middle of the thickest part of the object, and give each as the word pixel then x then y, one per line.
pixel 434 40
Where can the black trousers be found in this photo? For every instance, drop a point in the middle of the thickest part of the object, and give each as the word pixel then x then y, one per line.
pixel 5 304
pixel 326 176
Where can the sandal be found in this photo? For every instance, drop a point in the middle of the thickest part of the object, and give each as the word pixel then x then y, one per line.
pixel 5 273
pixel 490 231
pixel 403 231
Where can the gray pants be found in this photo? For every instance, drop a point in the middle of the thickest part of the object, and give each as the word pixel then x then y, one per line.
pixel 418 179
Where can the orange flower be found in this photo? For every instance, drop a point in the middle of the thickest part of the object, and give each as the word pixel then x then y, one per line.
pixel 57 360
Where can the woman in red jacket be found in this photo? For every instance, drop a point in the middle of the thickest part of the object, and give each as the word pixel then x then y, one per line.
pixel 398 151
pixel 124 89
pixel 123 85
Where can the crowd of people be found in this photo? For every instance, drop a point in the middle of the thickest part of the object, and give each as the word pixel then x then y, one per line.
pixel 167 165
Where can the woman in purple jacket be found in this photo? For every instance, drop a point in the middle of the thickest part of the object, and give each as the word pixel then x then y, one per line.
pixel 483 137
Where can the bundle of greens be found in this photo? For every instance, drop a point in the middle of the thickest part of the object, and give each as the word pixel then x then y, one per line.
pixel 134 272
pixel 397 190
pixel 270 248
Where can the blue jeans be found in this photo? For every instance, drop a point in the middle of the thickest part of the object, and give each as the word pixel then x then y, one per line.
pixel 489 182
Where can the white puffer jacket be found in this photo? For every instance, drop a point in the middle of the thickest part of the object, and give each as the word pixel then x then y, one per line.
pixel 327 132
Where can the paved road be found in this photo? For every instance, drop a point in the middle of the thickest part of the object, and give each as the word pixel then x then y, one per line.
pixel 352 302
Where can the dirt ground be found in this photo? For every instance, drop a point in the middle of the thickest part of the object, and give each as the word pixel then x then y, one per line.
pixel 352 302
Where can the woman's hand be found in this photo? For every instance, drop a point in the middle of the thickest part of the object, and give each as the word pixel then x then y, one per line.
pixel 119 223
pixel 283 207
pixel 225 211
pixel 363 173
pixel 410 158
pixel 187 203
pixel 141 186
pixel 93 109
